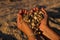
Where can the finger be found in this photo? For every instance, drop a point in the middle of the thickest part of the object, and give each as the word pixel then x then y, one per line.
pixel 20 11
pixel 19 18
pixel 35 9
pixel 24 11
pixel 19 14
pixel 43 10
pixel 31 11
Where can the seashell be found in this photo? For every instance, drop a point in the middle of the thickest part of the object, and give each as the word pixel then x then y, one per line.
pixel 35 17
pixel 32 24
pixel 36 29
pixel 39 32
pixel 35 13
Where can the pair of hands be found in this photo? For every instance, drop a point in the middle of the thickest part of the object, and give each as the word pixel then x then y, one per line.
pixel 24 27
pixel 43 22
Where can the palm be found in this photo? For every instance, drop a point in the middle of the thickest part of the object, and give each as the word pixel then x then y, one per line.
pixel 44 21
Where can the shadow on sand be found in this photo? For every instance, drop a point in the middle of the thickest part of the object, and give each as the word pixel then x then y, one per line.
pixel 54 15
pixel 6 37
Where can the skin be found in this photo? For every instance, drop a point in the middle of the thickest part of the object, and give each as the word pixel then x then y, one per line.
pixel 46 30
pixel 24 27
pixel 43 26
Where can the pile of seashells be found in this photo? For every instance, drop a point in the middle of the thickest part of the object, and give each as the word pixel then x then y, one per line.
pixel 33 20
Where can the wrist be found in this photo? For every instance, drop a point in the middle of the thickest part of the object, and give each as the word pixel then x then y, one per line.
pixel 44 22
pixel 42 27
pixel 31 37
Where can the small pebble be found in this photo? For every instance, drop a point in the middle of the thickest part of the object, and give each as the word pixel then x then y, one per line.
pixel 35 17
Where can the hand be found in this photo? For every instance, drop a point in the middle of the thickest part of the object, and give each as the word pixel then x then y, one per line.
pixel 23 26
pixel 19 18
pixel 45 29
pixel 44 20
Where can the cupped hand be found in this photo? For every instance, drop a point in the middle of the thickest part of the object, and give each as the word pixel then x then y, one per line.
pixel 44 20
pixel 23 26
pixel 19 18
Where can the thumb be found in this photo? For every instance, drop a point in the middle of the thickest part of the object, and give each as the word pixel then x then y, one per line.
pixel 44 12
pixel 19 18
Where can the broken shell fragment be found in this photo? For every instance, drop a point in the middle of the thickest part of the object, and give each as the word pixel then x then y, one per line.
pixel 39 32
pixel 35 17
pixel 35 13
pixel 32 24
pixel 37 29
